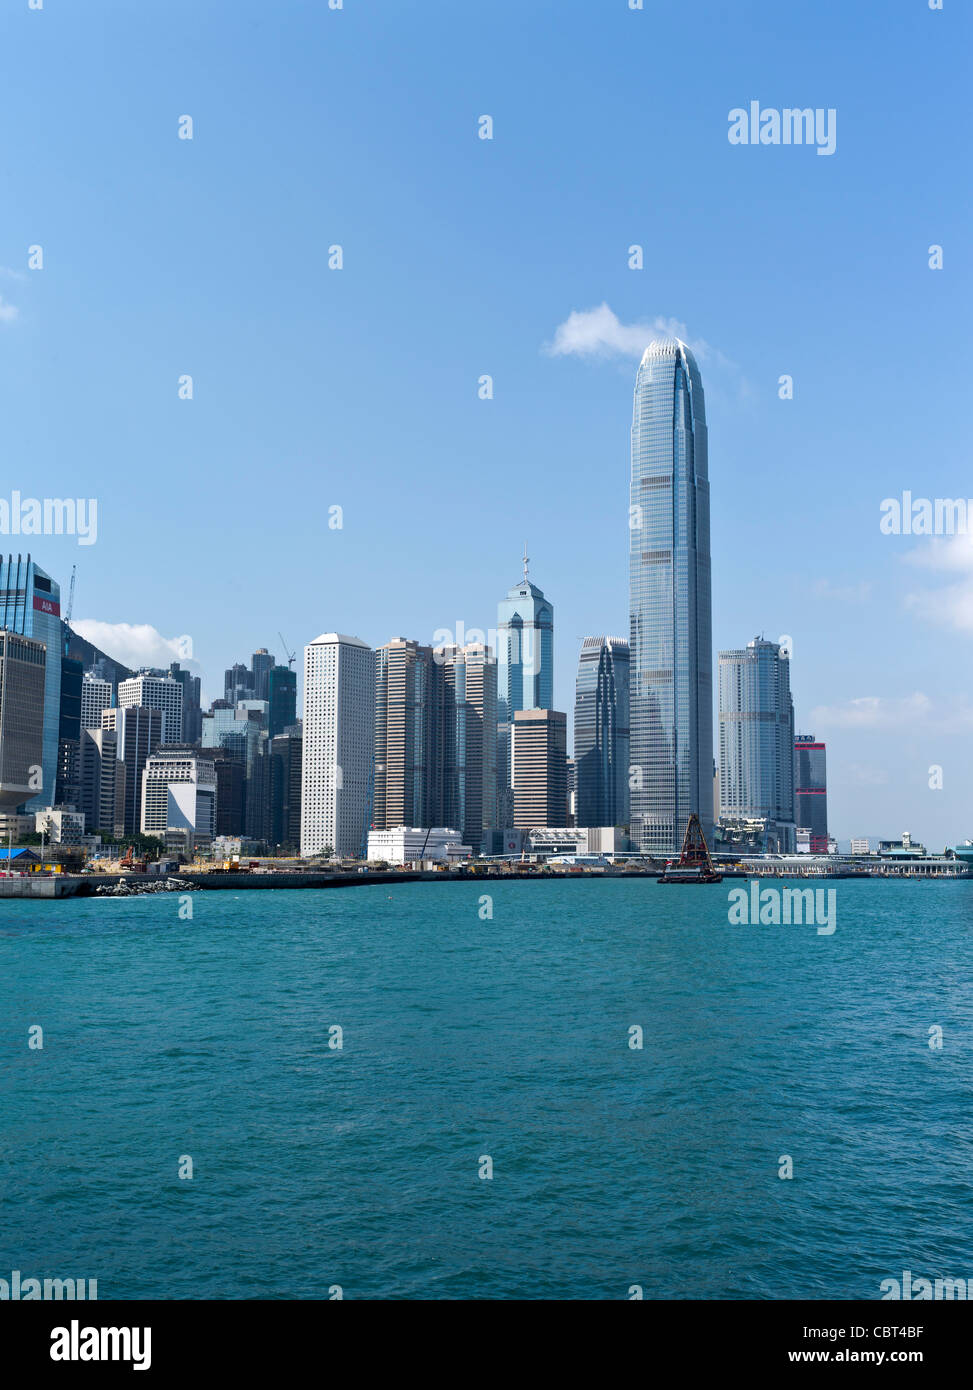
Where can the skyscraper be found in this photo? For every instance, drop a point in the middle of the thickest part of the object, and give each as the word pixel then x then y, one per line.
pixel 95 696
pixel 192 716
pixel 671 702
pixel 339 744
pixel 22 662
pixel 179 797
pixel 30 604
pixel 282 698
pixel 757 740
pixel 407 758
pixel 261 665
pixel 139 734
pixel 811 790
pixel 525 671
pixel 468 723
pixel 67 789
pixel 539 768
pixel 159 692
pixel 601 732
pixel 102 782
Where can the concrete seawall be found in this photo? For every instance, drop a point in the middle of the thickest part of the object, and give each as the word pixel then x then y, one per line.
pixel 86 885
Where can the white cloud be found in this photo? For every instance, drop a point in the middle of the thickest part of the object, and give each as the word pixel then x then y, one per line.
pixel 952 604
pixel 844 593
pixel 601 333
pixel 133 644
pixel 863 775
pixel 873 712
pixel 954 715
pixel 8 312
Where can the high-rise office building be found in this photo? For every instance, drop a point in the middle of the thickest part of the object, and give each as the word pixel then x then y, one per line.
pixel 96 695
pixel 163 693
pixel 538 763
pixel 671 700
pixel 67 789
pixel 525 671
pixel 231 781
pixel 102 782
pixel 139 734
pixel 191 713
pixel 601 732
pixel 261 664
pixel 236 728
pixel 22 683
pixel 757 741
pixel 237 683
pixel 339 744
pixel 407 736
pixel 811 791
pixel 30 604
pixel 468 724
pixel 179 797
pixel 286 751
pixel 282 698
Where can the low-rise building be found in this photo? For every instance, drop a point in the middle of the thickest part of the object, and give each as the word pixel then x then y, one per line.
pixel 60 826
pixel 405 845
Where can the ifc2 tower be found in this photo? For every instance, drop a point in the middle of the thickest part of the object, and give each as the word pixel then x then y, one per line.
pixel 670 601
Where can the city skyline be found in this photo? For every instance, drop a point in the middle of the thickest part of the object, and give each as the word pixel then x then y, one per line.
pixel 217 266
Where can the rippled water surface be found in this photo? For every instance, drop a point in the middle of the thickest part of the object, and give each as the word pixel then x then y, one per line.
pixel 465 1036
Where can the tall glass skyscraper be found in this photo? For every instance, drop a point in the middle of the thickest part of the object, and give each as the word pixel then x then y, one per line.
pixel 30 604
pixel 811 790
pixel 757 740
pixel 671 775
pixel 601 732
pixel 525 671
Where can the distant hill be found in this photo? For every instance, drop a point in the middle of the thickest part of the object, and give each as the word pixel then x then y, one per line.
pixel 90 655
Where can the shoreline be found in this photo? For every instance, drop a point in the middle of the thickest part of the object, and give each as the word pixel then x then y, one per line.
pixel 60 886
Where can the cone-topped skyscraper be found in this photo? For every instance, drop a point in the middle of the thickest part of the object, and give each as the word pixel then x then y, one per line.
pixel 671 774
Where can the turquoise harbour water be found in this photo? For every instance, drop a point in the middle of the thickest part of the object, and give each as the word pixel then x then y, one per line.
pixel 509 1037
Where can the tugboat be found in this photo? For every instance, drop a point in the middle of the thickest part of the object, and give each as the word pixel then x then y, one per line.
pixel 694 864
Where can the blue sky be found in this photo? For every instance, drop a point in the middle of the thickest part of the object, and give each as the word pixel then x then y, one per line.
pixel 462 257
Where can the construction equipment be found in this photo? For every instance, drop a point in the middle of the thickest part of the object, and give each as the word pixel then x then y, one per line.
pixel 291 656
pixel 694 864
pixel 70 607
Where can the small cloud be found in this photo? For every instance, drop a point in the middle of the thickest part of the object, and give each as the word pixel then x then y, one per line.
pixel 873 712
pixel 843 593
pixel 8 312
pixel 133 645
pixel 862 775
pixel 12 274
pixel 952 604
pixel 601 333
pixel 917 711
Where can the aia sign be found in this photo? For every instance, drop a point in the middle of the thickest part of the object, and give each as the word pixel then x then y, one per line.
pixel 47 605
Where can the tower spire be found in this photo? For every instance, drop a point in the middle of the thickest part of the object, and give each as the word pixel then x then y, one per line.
pixel 526 560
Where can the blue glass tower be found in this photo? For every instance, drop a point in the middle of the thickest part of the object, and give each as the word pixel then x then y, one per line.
pixel 601 732
pixel 30 603
pixel 670 603
pixel 525 671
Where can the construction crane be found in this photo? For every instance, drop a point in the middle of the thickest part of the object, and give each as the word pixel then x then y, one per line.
pixel 291 656
pixel 70 608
